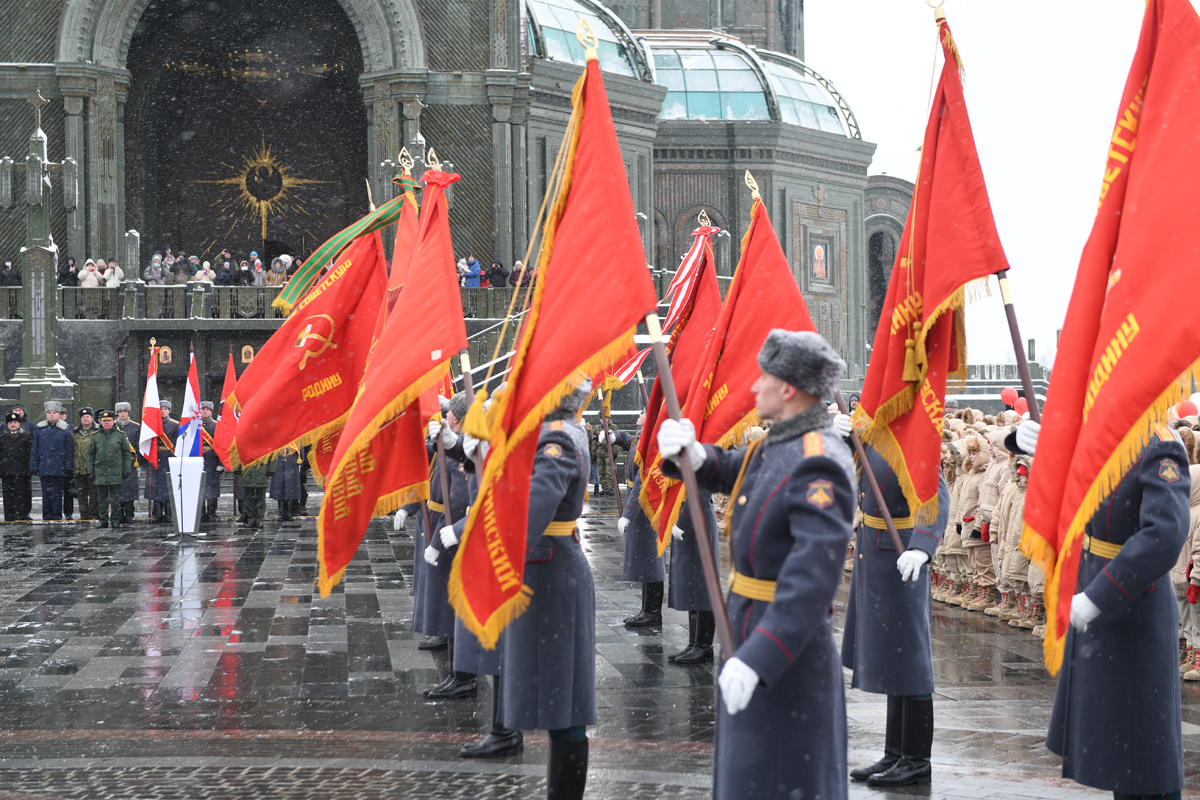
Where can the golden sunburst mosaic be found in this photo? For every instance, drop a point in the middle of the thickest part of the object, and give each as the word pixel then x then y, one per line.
pixel 260 187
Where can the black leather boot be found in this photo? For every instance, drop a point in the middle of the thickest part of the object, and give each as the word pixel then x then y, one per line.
pixel 566 769
pixel 916 745
pixel 652 597
pixel 433 643
pixel 461 687
pixel 500 741
pixel 702 651
pixel 691 637
pixel 891 741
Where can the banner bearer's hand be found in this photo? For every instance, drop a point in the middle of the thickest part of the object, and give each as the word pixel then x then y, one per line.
pixel 737 682
pixel 432 431
pixel 1083 611
pixel 910 562
pixel 449 537
pixel 431 556
pixel 677 533
pixel 399 520
pixel 1027 436
pixel 675 437
pixel 622 524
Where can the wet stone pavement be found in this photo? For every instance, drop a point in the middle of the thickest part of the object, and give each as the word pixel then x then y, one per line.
pixel 135 665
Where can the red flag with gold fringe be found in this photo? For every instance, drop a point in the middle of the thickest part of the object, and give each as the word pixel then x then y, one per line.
pixel 306 376
pixel 227 419
pixel 763 296
pixel 590 230
pixel 380 462
pixel 693 314
pixel 950 239
pixel 1122 362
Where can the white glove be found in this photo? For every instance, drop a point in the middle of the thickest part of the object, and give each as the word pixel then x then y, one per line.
pixel 1083 610
pixel 677 436
pixel 449 537
pixel 737 682
pixel 622 524
pixel 399 520
pixel 1027 436
pixel 431 555
pixel 612 437
pixel 470 443
pixel 449 437
pixel 843 426
pixel 677 532
pixel 432 430
pixel 910 562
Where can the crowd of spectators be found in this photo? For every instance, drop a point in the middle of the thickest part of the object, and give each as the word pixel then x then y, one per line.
pixel 473 275
pixel 168 269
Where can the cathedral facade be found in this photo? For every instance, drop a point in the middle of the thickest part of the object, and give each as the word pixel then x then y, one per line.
pixel 265 126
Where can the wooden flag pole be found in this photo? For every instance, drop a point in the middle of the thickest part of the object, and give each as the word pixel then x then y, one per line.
pixel 469 388
pixel 448 514
pixel 865 465
pixel 1035 413
pixel 612 462
pixel 712 581
pixel 642 386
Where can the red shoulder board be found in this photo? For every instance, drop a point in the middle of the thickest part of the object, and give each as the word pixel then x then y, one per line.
pixel 814 444
pixel 557 425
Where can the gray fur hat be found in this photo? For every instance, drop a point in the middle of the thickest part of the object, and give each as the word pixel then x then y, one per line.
pixel 119 407
pixel 803 359
pixel 54 405
pixel 164 403
pixel 574 401
pixel 443 404
pixel 459 405
pixel 206 404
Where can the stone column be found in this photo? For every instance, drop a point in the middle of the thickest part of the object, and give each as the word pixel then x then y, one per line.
pixel 501 85
pixel 76 217
pixel 40 377
pixel 102 157
pixel 520 174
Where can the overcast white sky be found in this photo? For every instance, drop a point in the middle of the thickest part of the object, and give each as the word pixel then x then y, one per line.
pixel 1043 80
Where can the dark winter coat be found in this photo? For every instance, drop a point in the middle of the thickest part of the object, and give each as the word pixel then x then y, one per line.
pixel 687 590
pixel 432 613
pixel 14 451
pixel 887 639
pixel 225 277
pixel 129 487
pixel 1117 711
pixel 642 563
pixel 550 650
pixel 162 475
pixel 66 277
pixel 212 475
pixel 53 451
pixel 792 520
pixel 10 277
pixel 109 458
pixel 285 485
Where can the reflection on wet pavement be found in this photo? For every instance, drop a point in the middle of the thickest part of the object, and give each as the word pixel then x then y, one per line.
pixel 136 666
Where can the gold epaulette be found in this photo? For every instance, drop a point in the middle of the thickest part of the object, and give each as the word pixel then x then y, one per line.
pixel 814 444
pixel 1165 434
pixel 557 425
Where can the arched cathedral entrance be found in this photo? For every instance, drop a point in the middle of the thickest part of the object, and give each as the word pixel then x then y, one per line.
pixel 245 126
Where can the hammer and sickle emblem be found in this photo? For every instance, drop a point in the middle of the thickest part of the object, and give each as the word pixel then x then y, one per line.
pixel 313 331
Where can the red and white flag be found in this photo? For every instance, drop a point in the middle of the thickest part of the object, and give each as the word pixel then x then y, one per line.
pixel 188 441
pixel 152 429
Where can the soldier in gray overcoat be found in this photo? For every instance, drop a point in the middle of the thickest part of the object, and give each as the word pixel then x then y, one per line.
pixel 1117 711
pixel 642 562
pixel 687 591
pixel 887 641
pixel 549 651
pixel 212 464
pixel 131 485
pixel 781 716
pixel 433 610
pixel 285 483
pixel 160 510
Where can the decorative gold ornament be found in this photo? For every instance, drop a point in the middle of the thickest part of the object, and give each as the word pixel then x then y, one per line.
pixel 753 184
pixel 431 158
pixel 587 38
pixel 263 187
pixel 703 219
pixel 405 160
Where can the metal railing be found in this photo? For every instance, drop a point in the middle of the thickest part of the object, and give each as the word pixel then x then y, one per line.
pixel 136 300
pixel 89 303
pixel 11 302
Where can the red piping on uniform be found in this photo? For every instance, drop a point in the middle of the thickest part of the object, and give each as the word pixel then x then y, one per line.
pixel 754 532
pixel 1114 580
pixel 767 633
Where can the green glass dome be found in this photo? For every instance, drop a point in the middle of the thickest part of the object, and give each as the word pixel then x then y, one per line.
pixel 552 25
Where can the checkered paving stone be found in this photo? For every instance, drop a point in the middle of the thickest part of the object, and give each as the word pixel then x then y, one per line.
pixel 134 664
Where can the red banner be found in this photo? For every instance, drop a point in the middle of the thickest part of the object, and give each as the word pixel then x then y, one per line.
pixel 227 418
pixel 949 240
pixel 1122 360
pixel 305 376
pixel 695 313
pixel 763 296
pixel 590 230
pixel 380 463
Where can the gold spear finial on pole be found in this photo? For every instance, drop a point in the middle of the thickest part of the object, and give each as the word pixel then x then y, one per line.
pixel 703 218
pixel 405 160
pixel 431 158
pixel 587 38
pixel 938 14
pixel 753 184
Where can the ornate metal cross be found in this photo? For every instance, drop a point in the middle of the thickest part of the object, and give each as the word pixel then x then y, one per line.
pixel 37 101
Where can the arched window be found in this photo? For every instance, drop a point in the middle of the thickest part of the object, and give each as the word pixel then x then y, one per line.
pixel 881 254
